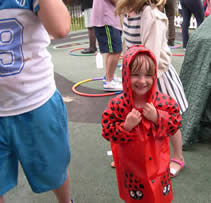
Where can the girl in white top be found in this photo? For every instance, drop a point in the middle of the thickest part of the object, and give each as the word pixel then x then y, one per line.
pixel 145 24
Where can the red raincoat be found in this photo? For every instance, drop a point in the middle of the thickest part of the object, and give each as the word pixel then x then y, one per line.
pixel 142 155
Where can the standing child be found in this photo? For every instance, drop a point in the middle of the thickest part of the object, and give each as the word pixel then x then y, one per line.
pixel 108 33
pixel 138 124
pixel 145 24
pixel 33 117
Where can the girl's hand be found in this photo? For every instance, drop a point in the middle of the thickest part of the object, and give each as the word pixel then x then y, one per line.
pixel 132 120
pixel 150 112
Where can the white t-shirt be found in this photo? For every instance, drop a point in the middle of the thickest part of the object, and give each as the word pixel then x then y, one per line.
pixel 26 70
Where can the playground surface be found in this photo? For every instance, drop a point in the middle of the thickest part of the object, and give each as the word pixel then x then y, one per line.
pixel 92 178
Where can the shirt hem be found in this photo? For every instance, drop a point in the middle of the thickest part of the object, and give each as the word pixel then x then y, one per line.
pixel 29 108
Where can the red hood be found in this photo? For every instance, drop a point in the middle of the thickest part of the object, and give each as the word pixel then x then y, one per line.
pixel 128 58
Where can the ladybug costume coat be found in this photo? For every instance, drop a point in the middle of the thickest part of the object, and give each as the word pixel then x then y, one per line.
pixel 141 156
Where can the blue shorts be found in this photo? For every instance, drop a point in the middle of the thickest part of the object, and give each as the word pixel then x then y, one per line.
pixel 39 140
pixel 109 39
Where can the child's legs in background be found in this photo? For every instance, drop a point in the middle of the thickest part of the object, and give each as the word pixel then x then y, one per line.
pixel 111 64
pixel 110 42
pixel 169 83
pixel 176 143
pixel 115 49
pixel 170 12
pixel 197 10
pixel 189 8
pixel 186 14
pixel 91 31
pixel 92 38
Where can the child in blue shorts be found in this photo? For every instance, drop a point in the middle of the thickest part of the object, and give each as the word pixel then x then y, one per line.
pixel 33 117
pixel 108 33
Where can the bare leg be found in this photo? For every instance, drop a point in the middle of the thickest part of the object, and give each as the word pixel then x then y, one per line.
pixel 176 143
pixel 92 38
pixel 62 193
pixel 1 200
pixel 92 42
pixel 111 64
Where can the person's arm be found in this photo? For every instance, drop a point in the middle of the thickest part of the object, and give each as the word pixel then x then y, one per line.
pixel 152 32
pixel 55 17
pixel 169 118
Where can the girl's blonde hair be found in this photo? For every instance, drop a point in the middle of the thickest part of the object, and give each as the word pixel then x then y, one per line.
pixel 126 6
pixel 140 61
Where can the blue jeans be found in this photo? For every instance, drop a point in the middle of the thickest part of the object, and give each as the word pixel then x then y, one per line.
pixel 190 7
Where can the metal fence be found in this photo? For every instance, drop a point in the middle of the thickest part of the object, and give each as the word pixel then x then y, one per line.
pixel 77 18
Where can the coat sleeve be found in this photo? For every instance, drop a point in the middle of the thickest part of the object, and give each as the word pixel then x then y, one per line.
pixel 151 32
pixel 169 118
pixel 112 127
pixel 153 36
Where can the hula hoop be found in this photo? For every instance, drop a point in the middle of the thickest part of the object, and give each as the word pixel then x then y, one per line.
pixel 178 42
pixel 176 46
pixel 178 54
pixel 76 49
pixel 92 95
pixel 179 45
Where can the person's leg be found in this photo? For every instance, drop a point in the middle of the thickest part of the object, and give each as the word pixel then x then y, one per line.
pixel 45 145
pixel 111 64
pixel 92 39
pixel 62 193
pixel 173 87
pixel 109 40
pixel 170 12
pixel 176 143
pixel 186 14
pixel 198 12
pixel 8 158
pixel 91 33
pixel 1 200
pixel 92 42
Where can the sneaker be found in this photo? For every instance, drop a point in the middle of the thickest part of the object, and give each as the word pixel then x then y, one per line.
pixel 89 51
pixel 112 86
pixel 116 78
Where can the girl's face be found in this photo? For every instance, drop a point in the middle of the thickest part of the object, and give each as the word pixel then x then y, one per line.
pixel 141 81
